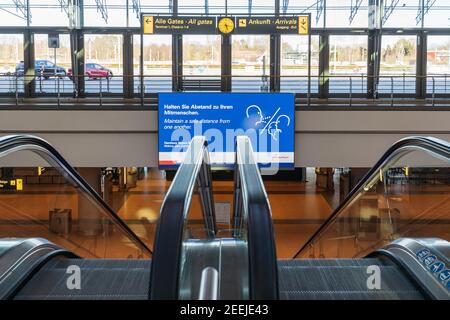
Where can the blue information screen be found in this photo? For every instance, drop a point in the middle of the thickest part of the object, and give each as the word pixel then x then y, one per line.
pixel 267 118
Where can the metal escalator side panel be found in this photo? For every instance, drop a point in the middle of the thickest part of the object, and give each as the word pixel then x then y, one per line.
pixel 226 255
pixel 174 215
pixel 439 150
pixel 22 260
pixel 254 218
pixel 423 260
pixel 16 143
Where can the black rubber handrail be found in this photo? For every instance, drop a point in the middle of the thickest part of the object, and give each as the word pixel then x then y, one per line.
pixel 434 146
pixel 168 247
pixel 12 143
pixel 252 211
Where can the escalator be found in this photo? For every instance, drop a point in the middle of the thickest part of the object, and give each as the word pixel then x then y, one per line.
pixel 110 261
pixel 403 240
pixel 363 253
pixel 36 262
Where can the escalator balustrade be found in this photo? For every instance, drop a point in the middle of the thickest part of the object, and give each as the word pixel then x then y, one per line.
pixel 406 258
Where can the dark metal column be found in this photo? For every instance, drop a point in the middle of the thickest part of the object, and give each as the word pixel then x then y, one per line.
pixel 77 49
pixel 275 61
pixel 373 62
pixel 28 58
pixel 375 12
pixel 324 65
pixel 421 65
pixel 275 52
pixel 128 73
pixel 226 63
pixel 177 62
pixel 28 61
pixel 177 55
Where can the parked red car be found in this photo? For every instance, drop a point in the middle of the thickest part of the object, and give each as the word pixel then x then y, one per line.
pixel 94 71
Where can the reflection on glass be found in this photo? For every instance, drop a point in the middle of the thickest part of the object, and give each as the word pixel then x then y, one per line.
pixel 201 55
pixel 402 200
pixel 347 13
pixel 50 62
pixel 11 61
pixel 43 201
pixel 438 15
pixel 250 62
pixel 438 64
pixel 398 64
pixel 157 63
pixel 105 51
pixel 307 6
pixel 294 62
pixel 403 15
pixel 348 63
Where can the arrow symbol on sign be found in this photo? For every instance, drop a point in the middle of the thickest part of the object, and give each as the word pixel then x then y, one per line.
pixel 148 20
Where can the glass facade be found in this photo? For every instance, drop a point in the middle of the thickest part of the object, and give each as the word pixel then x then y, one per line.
pixel 103 63
pixel 398 64
pixel 251 62
pixel 343 23
pixel 348 64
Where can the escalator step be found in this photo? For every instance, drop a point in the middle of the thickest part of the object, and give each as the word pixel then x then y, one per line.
pixel 100 279
pixel 331 262
pixel 341 279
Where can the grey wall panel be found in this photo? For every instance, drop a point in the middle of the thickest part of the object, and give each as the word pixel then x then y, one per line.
pixel 352 150
pixel 97 150
pixel 373 121
pixel 129 138
pixel 77 120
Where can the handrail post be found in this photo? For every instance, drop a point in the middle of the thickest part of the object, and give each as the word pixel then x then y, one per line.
pixel 392 91
pixel 434 92
pixel 404 83
pixel 59 93
pixel 351 91
pixel 101 91
pixel 17 90
pixel 445 83
pixel 362 82
pixel 309 91
pixel 142 89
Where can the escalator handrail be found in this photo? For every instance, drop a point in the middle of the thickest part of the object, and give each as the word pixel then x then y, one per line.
pixel 44 149
pixel 406 145
pixel 263 270
pixel 167 250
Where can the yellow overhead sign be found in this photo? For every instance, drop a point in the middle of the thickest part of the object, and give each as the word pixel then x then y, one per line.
pixel 19 184
pixel 13 184
pixel 303 24
pixel 179 25
pixel 147 22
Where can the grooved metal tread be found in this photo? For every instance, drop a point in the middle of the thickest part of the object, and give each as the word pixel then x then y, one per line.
pixel 341 279
pixel 100 279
